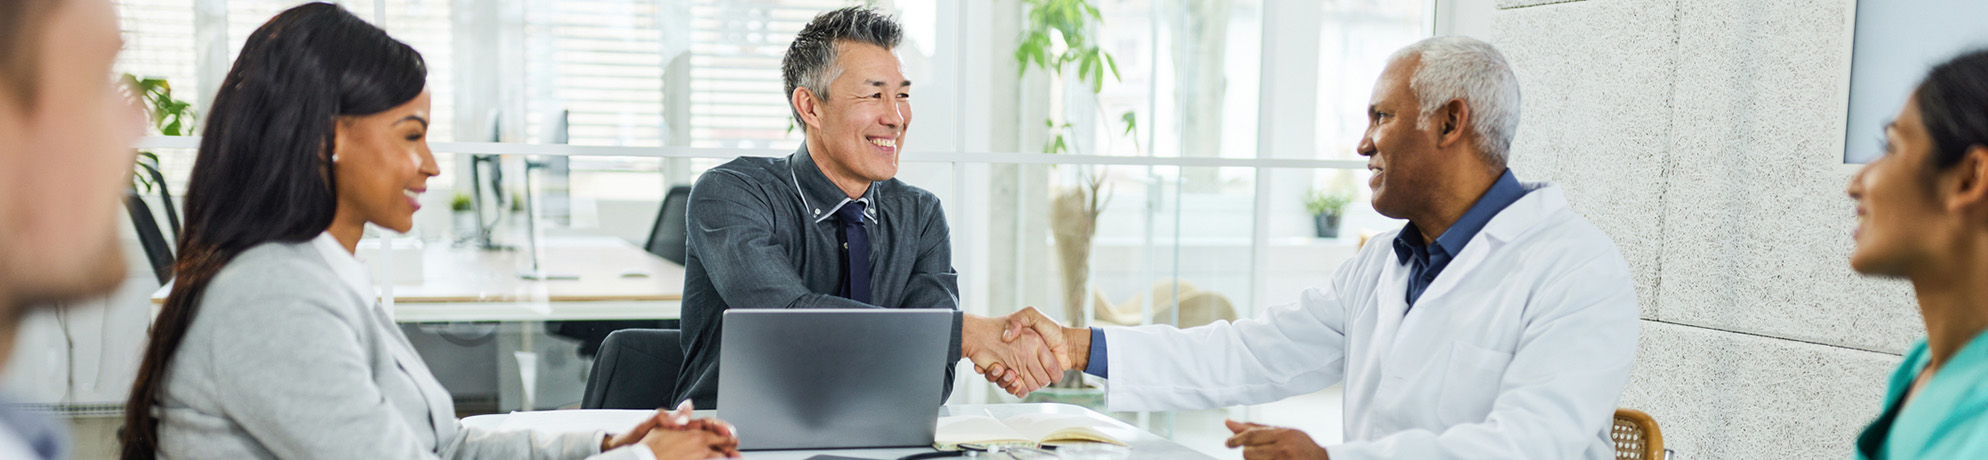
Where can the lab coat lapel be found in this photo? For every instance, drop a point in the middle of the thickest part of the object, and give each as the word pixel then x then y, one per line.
pixel 1540 202
pixel 1473 256
pixel 1391 304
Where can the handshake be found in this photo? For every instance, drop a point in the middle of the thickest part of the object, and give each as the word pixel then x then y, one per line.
pixel 1023 351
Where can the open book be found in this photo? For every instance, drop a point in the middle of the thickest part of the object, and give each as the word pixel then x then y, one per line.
pixel 1027 429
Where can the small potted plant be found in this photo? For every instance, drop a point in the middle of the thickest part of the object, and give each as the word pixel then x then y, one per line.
pixel 1327 207
pixel 460 209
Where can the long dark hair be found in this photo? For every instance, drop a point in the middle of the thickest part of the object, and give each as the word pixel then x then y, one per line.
pixel 1953 104
pixel 264 169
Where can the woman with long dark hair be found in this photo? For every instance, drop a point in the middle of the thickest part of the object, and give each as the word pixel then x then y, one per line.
pixel 1922 215
pixel 271 344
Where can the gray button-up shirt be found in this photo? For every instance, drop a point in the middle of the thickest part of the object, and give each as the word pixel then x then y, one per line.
pixel 763 234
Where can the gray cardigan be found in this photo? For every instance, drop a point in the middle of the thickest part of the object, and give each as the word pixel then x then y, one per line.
pixel 284 361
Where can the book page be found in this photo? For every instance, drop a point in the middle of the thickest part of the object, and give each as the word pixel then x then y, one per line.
pixel 1047 428
pixel 978 429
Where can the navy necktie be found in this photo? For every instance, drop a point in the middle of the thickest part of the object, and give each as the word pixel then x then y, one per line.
pixel 855 249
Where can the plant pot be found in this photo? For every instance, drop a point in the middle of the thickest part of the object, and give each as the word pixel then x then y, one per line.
pixel 464 224
pixel 1087 396
pixel 1327 225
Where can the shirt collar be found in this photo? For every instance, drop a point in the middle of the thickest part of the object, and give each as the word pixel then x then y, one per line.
pixel 1505 191
pixel 349 269
pixel 820 196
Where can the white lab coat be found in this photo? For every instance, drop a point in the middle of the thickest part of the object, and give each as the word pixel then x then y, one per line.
pixel 1518 350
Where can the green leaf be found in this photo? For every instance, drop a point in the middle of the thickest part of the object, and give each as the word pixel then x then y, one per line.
pixel 1113 64
pixel 1097 83
pixel 1131 121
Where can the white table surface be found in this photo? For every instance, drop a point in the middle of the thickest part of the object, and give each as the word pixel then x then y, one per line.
pixel 470 284
pixel 1144 446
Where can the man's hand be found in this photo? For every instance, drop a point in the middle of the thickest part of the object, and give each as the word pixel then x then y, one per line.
pixel 1032 352
pixel 1020 366
pixel 1053 334
pixel 1260 442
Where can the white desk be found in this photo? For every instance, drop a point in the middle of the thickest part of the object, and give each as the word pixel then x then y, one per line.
pixel 1144 447
pixel 470 284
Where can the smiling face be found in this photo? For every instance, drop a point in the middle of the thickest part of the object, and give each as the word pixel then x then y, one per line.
pixel 856 132
pixel 1407 170
pixel 1909 214
pixel 65 162
pixel 382 165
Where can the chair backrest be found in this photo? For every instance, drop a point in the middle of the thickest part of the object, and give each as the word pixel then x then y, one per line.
pixel 165 197
pixel 149 237
pixel 1196 309
pixel 636 369
pixel 672 231
pixel 1636 436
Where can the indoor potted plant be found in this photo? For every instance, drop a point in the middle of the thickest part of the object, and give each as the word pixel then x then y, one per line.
pixel 1327 207
pixel 462 215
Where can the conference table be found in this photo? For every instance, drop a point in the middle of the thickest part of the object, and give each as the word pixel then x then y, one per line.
pixel 1144 445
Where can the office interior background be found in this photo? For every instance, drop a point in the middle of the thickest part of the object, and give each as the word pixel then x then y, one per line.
pixel 1704 136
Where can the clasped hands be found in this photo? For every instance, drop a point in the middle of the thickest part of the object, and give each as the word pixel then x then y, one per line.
pixel 1021 352
pixel 674 435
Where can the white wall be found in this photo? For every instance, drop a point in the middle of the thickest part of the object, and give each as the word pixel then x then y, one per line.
pixel 1705 137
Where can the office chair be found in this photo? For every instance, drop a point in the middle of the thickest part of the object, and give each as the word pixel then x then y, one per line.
pixel 157 251
pixel 672 231
pixel 1636 436
pixel 637 369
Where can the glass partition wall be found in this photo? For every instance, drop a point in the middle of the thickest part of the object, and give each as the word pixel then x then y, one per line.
pixel 1169 162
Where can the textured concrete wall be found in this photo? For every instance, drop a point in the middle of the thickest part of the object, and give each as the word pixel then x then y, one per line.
pixel 1705 136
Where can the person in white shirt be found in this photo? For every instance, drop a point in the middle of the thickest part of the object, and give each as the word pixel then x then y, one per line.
pixel 1497 324
pixel 65 156
pixel 272 343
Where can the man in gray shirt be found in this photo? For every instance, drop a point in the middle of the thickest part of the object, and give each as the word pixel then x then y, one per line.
pixel 65 154
pixel 829 226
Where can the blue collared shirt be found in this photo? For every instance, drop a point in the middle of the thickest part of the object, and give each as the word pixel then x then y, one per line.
pixel 1427 261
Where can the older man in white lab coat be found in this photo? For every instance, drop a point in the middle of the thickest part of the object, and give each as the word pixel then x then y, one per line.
pixel 1497 324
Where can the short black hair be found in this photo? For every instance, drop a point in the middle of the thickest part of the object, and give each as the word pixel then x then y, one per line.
pixel 810 61
pixel 1953 105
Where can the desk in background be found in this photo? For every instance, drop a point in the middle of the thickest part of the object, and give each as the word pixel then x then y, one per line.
pixel 1144 447
pixel 473 285
pixel 460 284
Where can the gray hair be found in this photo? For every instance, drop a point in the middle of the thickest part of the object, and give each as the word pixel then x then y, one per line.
pixel 1468 69
pixel 810 61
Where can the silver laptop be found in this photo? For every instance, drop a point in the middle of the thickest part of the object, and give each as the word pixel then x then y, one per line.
pixel 826 379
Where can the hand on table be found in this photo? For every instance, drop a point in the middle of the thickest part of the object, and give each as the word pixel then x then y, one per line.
pixel 672 435
pixel 1260 442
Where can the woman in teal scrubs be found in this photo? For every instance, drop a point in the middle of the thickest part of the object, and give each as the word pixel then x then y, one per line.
pixel 1922 215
